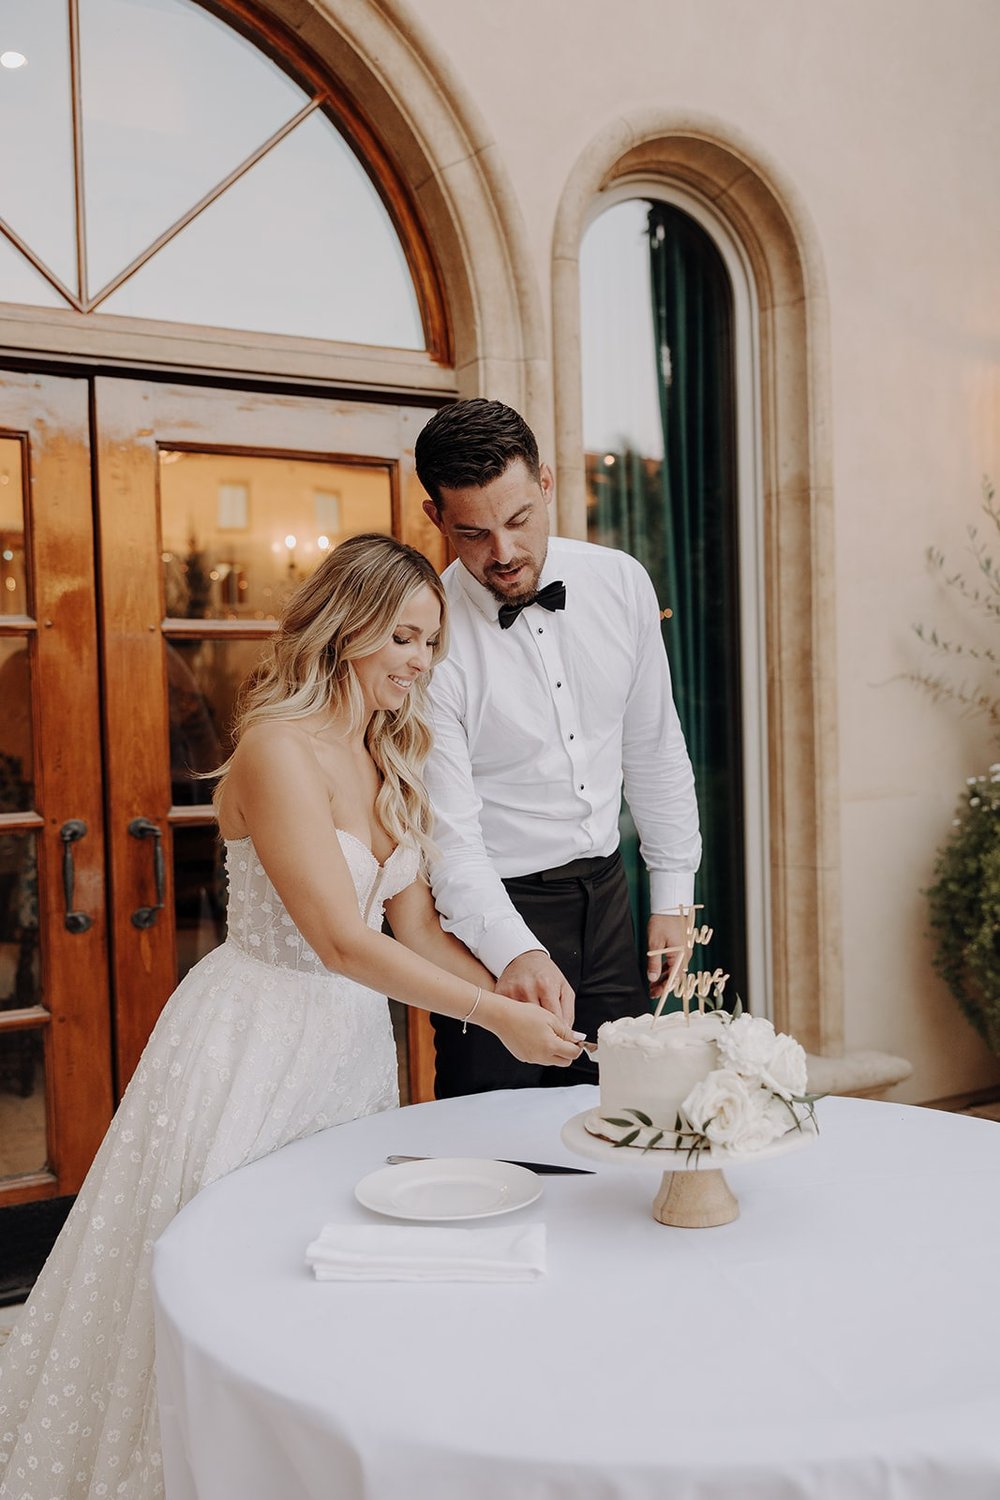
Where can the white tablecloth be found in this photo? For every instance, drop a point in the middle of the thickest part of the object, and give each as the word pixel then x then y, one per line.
pixel 840 1339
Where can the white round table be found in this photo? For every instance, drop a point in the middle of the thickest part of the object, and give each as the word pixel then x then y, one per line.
pixel 840 1338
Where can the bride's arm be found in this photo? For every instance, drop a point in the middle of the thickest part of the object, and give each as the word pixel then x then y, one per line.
pixel 276 789
pixel 414 920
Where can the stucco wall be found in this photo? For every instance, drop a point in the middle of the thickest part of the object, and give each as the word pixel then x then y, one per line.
pixel 884 115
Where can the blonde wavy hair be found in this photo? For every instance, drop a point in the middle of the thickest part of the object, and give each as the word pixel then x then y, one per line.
pixel 346 610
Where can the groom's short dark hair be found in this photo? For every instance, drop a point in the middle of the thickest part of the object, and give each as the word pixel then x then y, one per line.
pixel 471 443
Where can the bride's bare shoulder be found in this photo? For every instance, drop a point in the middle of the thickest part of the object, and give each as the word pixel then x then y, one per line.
pixel 268 731
pixel 276 744
pixel 273 761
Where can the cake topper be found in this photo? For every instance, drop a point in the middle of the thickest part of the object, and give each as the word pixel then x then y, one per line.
pixel 685 986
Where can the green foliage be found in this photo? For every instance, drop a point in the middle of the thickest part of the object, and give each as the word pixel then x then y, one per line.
pixel 982 596
pixel 965 906
pixel 965 897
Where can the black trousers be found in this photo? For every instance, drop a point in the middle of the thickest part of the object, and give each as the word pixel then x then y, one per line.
pixel 581 913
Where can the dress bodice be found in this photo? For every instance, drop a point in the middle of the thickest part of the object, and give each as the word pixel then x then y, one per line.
pixel 260 925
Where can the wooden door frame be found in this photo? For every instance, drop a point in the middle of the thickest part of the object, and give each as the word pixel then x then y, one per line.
pixel 134 419
pixel 53 422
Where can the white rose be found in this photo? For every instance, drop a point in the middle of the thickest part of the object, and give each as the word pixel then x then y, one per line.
pixel 747 1045
pixel 735 1113
pixel 769 1119
pixel 786 1073
pixel 717 1105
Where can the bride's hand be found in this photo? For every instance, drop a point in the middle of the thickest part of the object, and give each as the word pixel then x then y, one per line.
pixel 534 1035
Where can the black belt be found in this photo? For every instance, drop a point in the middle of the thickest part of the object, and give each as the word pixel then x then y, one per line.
pixel 577 869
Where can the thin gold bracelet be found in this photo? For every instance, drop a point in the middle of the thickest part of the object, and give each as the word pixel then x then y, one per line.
pixel 468 1018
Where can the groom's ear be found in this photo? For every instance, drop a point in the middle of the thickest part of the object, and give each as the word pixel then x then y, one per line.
pixel 434 515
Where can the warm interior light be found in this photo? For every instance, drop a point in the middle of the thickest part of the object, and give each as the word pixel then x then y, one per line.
pixel 609 459
pixel 12 59
pixel 289 542
pixel 322 543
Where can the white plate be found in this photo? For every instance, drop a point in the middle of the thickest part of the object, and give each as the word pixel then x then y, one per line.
pixel 449 1187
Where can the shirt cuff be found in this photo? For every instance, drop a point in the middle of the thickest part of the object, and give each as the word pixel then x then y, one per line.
pixel 505 941
pixel 669 889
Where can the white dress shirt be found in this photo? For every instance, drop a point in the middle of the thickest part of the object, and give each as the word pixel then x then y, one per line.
pixel 535 728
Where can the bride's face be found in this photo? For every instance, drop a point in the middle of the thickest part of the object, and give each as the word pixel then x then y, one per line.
pixel 387 676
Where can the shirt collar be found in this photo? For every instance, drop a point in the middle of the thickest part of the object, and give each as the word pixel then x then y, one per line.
pixel 479 595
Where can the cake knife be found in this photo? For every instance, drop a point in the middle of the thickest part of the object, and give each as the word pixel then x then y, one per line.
pixel 532 1166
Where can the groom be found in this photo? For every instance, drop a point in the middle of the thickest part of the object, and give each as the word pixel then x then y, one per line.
pixel 555 690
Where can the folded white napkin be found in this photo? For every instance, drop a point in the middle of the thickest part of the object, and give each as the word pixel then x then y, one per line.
pixel 390 1252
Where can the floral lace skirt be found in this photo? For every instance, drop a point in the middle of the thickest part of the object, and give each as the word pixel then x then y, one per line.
pixel 245 1058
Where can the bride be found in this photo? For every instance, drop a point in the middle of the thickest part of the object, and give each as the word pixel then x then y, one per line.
pixel 281 1031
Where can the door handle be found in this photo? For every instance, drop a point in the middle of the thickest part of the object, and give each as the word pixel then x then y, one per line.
pixel 145 828
pixel 70 832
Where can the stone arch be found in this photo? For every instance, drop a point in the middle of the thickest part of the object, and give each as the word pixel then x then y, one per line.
pixel 424 115
pixel 763 212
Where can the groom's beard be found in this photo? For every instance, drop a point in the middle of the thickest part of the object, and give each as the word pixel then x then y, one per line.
pixel 527 586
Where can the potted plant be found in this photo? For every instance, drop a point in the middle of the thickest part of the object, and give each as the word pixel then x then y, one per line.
pixel 965 897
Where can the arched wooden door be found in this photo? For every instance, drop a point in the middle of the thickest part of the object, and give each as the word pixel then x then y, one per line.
pixel 128 628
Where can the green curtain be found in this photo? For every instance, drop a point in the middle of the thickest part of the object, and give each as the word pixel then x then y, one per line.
pixel 697 569
pixel 679 519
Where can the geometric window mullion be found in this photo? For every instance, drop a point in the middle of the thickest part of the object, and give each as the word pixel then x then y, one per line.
pixel 193 212
pixel 50 276
pixel 192 177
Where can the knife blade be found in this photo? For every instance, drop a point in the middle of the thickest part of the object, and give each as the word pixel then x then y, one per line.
pixel 532 1166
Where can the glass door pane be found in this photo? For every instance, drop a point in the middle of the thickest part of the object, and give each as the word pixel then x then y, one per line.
pixel 238 532
pixel 23 1137
pixel 660 430
pixel 13 565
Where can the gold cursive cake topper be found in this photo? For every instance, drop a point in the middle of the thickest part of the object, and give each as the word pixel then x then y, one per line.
pixel 687 987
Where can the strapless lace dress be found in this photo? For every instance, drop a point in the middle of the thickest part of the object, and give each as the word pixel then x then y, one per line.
pixel 259 1045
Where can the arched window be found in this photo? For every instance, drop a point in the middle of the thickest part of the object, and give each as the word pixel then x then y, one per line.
pixel 669 432
pixel 169 169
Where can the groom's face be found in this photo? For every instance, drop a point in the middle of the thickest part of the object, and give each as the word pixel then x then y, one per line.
pixel 500 531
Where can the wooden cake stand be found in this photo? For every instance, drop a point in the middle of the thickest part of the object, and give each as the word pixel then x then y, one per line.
pixel 693 1193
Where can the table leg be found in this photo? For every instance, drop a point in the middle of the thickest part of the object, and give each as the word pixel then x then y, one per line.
pixel 695 1200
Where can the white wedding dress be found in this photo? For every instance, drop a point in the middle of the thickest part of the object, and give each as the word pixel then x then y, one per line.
pixel 259 1045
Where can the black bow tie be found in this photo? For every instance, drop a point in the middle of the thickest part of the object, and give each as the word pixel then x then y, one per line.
pixel 552 596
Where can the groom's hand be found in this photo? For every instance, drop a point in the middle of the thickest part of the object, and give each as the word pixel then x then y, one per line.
pixel 664 931
pixel 532 976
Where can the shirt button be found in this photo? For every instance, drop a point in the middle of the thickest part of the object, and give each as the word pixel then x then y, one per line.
pixel 541 630
pixel 581 786
pixel 558 684
pixel 572 736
